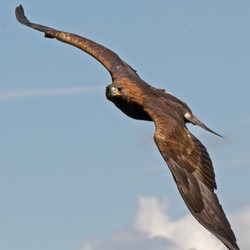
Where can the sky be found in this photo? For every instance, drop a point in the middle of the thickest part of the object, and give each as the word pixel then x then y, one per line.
pixel 75 172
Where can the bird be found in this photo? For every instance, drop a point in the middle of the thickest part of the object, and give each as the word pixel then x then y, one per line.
pixel 186 157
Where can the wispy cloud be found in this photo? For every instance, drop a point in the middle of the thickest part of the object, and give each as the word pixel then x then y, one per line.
pixel 21 93
pixel 153 228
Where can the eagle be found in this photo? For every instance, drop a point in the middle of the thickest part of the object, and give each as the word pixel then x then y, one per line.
pixel 186 157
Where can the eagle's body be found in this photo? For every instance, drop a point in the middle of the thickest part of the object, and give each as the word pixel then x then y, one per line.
pixel 185 155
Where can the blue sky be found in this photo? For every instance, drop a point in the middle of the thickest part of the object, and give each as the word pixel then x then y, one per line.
pixel 75 172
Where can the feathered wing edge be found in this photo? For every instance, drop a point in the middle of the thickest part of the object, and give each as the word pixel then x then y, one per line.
pixel 192 170
pixel 110 60
pixel 211 216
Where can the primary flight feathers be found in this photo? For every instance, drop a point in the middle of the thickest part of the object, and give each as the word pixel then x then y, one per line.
pixel 187 158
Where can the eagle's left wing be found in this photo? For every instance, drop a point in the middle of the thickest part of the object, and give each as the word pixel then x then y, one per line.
pixel 193 173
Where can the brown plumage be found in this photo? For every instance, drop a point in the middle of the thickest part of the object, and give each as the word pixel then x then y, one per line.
pixel 185 155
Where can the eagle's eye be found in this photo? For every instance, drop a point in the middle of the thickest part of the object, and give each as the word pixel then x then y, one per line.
pixel 119 89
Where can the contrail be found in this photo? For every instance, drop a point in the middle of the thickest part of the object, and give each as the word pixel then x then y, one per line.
pixel 17 93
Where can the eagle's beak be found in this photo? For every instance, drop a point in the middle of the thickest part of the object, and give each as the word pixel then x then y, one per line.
pixel 112 91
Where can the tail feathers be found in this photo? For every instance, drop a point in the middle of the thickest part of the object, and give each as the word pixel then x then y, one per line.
pixel 191 118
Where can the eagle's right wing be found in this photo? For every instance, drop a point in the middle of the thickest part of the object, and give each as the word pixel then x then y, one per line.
pixel 193 173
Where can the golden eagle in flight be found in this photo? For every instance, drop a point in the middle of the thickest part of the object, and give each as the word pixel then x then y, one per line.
pixel 185 155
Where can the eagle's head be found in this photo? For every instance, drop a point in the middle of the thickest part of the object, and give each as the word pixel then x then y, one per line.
pixel 128 99
pixel 115 91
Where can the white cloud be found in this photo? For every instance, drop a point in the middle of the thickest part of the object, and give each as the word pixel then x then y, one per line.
pixel 185 233
pixel 153 228
pixel 17 93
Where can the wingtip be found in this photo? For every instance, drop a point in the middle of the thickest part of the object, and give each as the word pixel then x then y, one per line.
pixel 194 120
pixel 211 131
pixel 20 15
pixel 19 12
